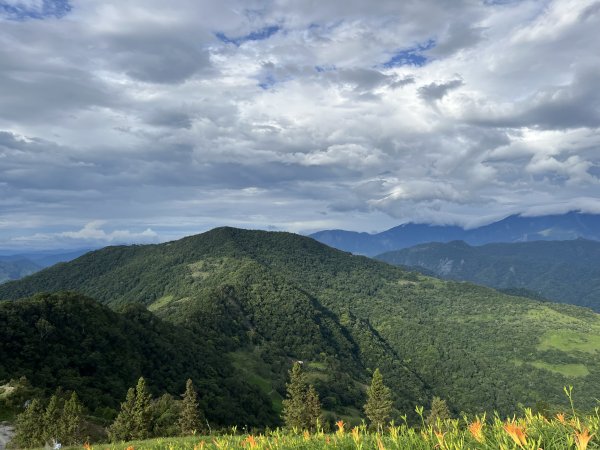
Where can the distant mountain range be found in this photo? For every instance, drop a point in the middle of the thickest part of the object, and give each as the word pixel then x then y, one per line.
pixel 14 267
pixel 515 228
pixel 251 302
pixel 564 271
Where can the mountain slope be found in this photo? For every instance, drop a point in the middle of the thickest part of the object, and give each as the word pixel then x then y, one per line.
pixel 511 229
pixel 15 268
pixel 71 341
pixel 565 271
pixel 289 297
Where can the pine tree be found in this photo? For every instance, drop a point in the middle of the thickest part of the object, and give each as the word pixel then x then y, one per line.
pixel 313 408
pixel 439 412
pixel 190 420
pixel 294 411
pixel 71 421
pixel 142 411
pixel 379 402
pixel 29 426
pixel 52 420
pixel 123 427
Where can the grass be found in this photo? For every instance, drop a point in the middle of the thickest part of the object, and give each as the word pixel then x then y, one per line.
pixel 531 431
pixel 568 370
pixel 569 341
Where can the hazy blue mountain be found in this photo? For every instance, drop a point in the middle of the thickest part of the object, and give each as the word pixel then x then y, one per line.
pixel 564 271
pixel 13 268
pixel 511 229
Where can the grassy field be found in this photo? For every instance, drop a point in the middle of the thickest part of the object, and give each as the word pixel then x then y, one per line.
pixel 563 431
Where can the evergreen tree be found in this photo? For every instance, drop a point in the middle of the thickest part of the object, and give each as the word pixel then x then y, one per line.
pixel 313 408
pixel 190 420
pixel 52 420
pixel 29 426
pixel 294 410
pixel 142 411
pixel 71 421
pixel 379 401
pixel 123 427
pixel 439 411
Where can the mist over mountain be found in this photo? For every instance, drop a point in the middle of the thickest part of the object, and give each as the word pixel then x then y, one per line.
pixel 514 228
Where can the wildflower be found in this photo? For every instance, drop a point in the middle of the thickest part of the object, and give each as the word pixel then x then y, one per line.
pixel 130 447
pixel 87 446
pixel 199 446
pixel 476 429
pixel 517 433
pixel 380 445
pixel 356 434
pixel 340 425
pixel 561 418
pixel 440 438
pixel 582 439
pixel 306 435
pixel 251 441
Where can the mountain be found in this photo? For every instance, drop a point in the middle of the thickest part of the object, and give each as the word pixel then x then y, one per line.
pixel 12 268
pixel 69 340
pixel 515 228
pixel 265 299
pixel 564 271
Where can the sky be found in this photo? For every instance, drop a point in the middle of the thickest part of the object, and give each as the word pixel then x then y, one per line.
pixel 126 121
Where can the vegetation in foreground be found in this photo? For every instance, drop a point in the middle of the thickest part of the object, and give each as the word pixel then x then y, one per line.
pixel 530 431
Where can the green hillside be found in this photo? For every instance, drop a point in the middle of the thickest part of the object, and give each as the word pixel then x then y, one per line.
pixel 564 271
pixel 277 297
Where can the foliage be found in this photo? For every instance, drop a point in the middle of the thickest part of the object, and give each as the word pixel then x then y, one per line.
pixel 276 297
pixel 379 402
pixel 190 420
pixel 564 271
pixel 60 421
pixel 439 412
pixel 529 431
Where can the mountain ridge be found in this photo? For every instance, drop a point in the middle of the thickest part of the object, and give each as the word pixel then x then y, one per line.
pixel 515 228
pixel 275 297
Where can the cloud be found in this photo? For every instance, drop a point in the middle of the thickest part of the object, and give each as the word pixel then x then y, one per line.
pixel 183 116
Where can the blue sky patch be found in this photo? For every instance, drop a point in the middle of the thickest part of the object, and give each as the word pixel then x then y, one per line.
pixel 410 57
pixel 14 10
pixel 258 35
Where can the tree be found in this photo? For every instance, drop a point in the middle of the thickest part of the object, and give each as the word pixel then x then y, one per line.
pixel 123 426
pixel 313 407
pixel 29 426
pixel 294 411
pixel 142 411
pixel 70 424
pixel 52 419
pixel 439 412
pixel 379 401
pixel 301 407
pixel 190 420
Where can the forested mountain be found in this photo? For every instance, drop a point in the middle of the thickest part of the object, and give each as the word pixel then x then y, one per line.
pixel 511 229
pixel 565 271
pixel 259 300
pixel 12 268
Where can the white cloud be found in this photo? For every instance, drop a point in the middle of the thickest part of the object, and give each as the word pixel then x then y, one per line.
pixel 154 121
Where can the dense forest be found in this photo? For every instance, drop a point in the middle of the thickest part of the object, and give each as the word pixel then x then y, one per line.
pixel 564 271
pixel 243 305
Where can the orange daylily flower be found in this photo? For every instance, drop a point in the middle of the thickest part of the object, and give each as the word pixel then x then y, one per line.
pixel 476 430
pixel 517 433
pixel 561 418
pixel 582 439
pixel 340 425
pixel 250 440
